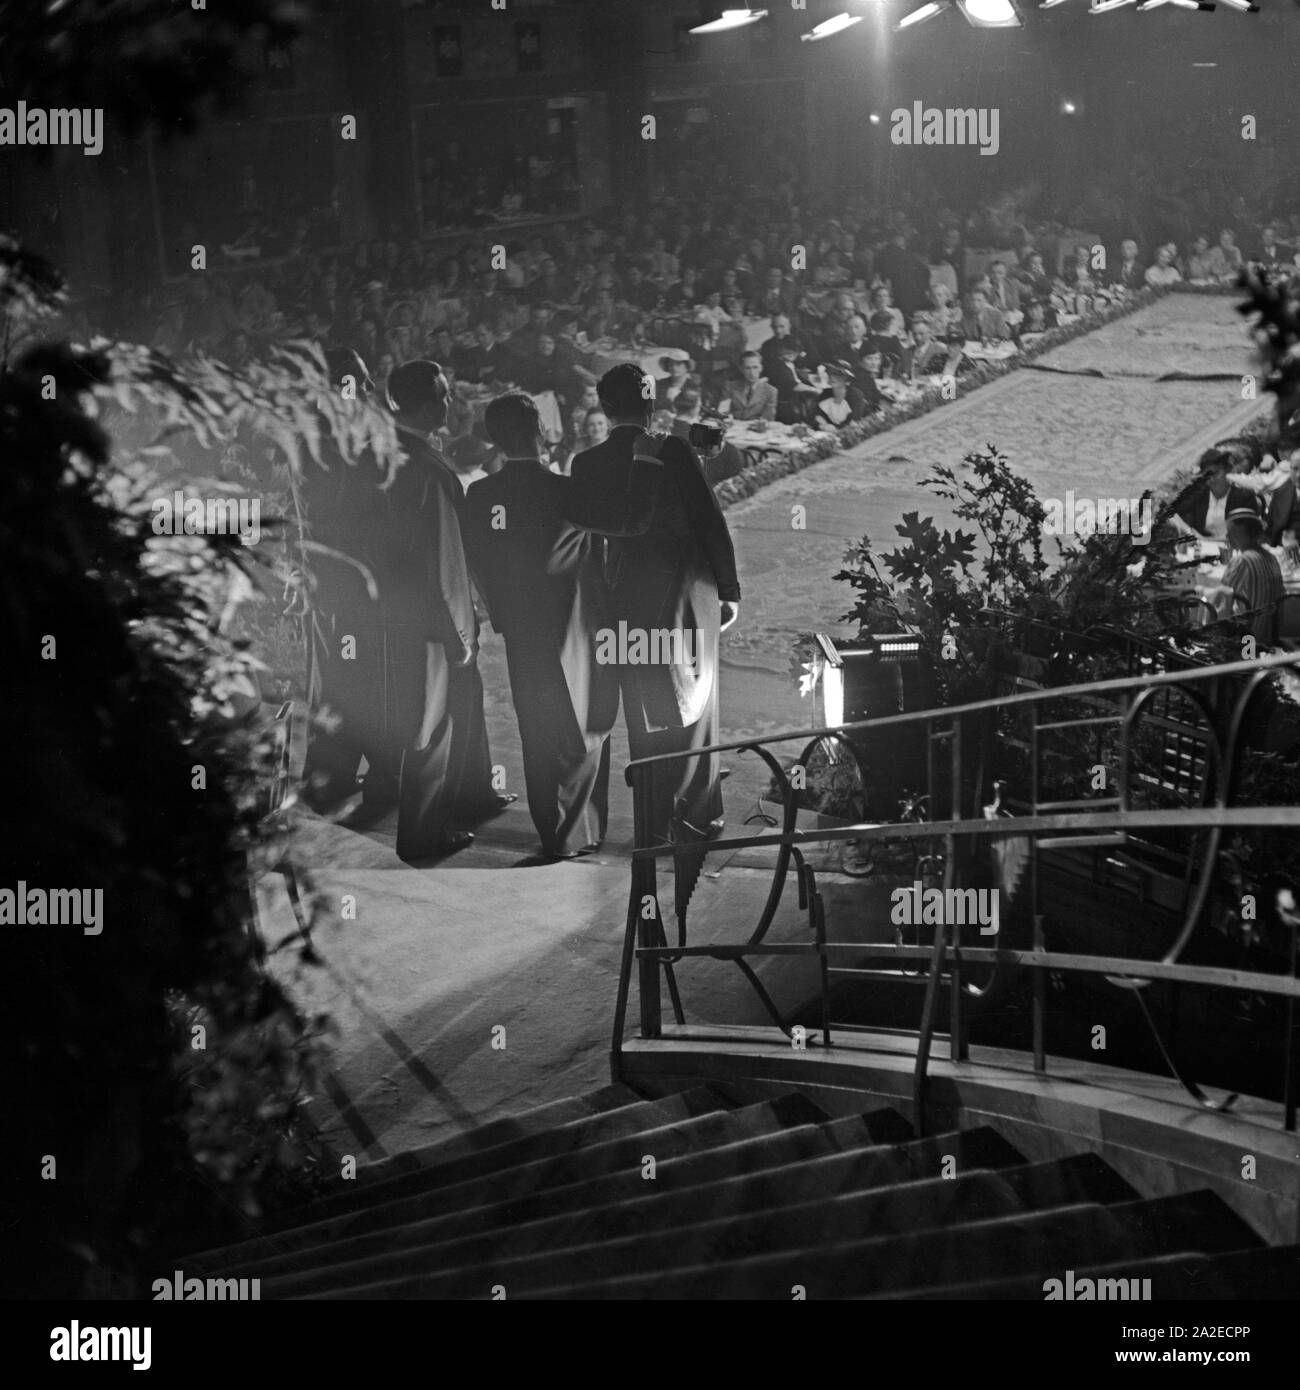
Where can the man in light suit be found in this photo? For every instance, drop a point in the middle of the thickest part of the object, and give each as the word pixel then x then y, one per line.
pixel 751 397
pixel 1004 292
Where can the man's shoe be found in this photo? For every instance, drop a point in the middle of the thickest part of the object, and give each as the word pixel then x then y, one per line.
pixel 452 841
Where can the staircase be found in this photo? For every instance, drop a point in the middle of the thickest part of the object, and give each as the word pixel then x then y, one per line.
pixel 692 1195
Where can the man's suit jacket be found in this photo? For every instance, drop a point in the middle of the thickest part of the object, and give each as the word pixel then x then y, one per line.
pixel 1004 297
pixel 421 570
pixel 673 576
pixel 1132 276
pixel 753 400
pixel 988 324
pixel 1280 254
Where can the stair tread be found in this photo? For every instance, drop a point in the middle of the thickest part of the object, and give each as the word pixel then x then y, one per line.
pixel 1035 1241
pixel 1265 1272
pixel 901 1207
pixel 379 1210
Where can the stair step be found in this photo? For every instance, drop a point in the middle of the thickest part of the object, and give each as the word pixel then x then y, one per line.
pixel 682 1128
pixel 445 1271
pixel 1046 1243
pixel 625 1122
pixel 508 1129
pixel 588 1210
pixel 1271 1273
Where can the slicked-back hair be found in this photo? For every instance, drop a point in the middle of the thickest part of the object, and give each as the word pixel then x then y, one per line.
pixel 512 421
pixel 624 393
pixel 417 384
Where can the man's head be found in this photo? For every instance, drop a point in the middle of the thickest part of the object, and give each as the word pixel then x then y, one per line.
pixel 418 392
pixel 513 424
pixel 627 393
pixel 858 327
pixel 922 329
pixel 998 271
pixel 880 297
pixel 1164 256
pixel 1270 235
pixel 780 326
pixel 1215 466
pixel 1201 244
pixel 484 334
pixel 1245 528
pixel 1227 238
pixel 688 403
pixel 545 345
pixel 978 301
pixel 1035 263
pixel 774 277
pixel 751 366
pixel 1128 249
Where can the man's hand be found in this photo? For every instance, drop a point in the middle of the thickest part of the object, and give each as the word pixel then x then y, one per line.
pixel 730 612
pixel 467 655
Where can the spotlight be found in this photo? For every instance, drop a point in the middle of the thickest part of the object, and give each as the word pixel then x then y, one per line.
pixel 731 19
pixel 990 14
pixel 929 11
pixel 874 118
pixel 1049 4
pixel 1245 6
pixel 1068 108
pixel 829 27
pixel 1104 6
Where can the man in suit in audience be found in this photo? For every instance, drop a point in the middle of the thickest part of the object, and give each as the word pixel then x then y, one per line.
pixel 1004 292
pixel 751 397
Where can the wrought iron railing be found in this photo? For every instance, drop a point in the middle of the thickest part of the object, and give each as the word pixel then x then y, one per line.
pixel 1199 757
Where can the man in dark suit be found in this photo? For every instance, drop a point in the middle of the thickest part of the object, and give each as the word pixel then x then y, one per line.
pixel 1273 253
pixel 1128 270
pixel 679 579
pixel 1204 508
pixel 907 273
pixel 441 772
pixel 528 536
pixel 751 397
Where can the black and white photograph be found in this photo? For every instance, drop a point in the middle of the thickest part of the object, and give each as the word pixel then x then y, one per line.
pixel 651 652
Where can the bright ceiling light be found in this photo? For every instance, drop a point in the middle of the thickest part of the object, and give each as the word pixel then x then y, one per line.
pixel 990 14
pixel 1105 6
pixel 1049 4
pixel 1246 6
pixel 829 27
pixel 935 7
pixel 731 19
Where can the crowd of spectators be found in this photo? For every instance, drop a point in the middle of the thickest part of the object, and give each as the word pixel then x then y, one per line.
pixel 849 301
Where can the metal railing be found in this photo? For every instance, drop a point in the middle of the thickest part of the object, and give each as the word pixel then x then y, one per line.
pixel 1221 728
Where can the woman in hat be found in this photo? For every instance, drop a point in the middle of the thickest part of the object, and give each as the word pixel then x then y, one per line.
pixel 677 371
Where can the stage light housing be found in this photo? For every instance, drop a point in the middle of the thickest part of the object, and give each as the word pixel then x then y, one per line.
pixel 928 11
pixel 990 14
pixel 730 19
pixel 828 28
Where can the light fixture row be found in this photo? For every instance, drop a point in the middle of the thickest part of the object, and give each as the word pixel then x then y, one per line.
pixel 983 14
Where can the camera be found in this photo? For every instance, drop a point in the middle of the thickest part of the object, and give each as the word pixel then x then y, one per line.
pixel 707 438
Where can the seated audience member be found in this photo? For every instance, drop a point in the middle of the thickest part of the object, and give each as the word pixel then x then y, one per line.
pixel 488 361
pixel 778 294
pixel 927 355
pixel 1128 270
pixel 1078 272
pixel 1273 253
pixel 751 397
pixel 984 322
pixel 1199 264
pixel 948 262
pixel 833 406
pixel 794 392
pixel 588 401
pixel 608 319
pixel 1225 259
pixel 1033 278
pixel 683 296
pixel 668 387
pixel 832 273
pixel 1204 510
pixel 544 369
pixel 1004 292
pixel 1040 315
pixel 1163 271
pixel 882 303
pixel 772 350
pixel 730 342
pixel 886 344
pixel 1252 580
pixel 640 295
pixel 864 382
pixel 949 322
pixel 727 461
pixel 595 430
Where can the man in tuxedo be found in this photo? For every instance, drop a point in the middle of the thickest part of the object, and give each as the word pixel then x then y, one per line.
pixel 679 578
pixel 528 534
pixel 441 772
pixel 1203 511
